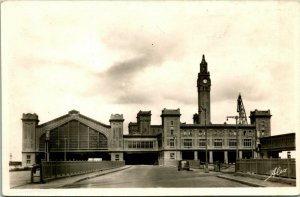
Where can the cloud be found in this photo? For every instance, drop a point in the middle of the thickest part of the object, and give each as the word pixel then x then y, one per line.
pixel 133 98
pixel 137 53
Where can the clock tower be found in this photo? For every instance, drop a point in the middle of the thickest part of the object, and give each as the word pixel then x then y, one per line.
pixel 203 84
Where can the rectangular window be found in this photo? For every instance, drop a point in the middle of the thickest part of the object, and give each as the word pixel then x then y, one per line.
pixel 218 142
pixel 151 145
pixel 247 142
pixel 202 142
pixel 139 144
pixel 172 155
pixel 187 143
pixel 172 143
pixel 117 158
pixel 232 142
pixel 172 131
pixel 28 161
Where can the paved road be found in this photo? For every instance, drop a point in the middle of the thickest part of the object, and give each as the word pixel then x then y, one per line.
pixel 155 176
pixel 17 178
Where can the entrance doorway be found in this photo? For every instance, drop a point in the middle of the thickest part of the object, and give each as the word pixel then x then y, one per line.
pixel 247 154
pixel 141 158
pixel 218 156
pixel 231 157
pixel 201 156
pixel 188 155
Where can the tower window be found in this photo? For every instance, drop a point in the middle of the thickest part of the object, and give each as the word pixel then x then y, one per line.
pixel 172 131
pixel 172 155
pixel 172 123
pixel 28 159
pixel 172 143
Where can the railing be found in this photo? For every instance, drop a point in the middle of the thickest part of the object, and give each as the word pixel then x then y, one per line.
pixel 279 167
pixel 59 169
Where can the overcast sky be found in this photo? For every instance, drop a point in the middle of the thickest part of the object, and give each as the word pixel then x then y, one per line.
pixel 102 58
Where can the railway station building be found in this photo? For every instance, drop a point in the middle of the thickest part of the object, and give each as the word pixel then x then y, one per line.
pixel 74 136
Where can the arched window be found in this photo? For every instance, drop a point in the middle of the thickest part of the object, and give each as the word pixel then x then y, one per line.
pixel 74 136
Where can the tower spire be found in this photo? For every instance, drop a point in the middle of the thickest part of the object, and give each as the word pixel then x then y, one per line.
pixel 203 62
pixel 203 65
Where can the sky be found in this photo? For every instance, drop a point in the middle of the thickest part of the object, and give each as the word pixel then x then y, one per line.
pixel 104 58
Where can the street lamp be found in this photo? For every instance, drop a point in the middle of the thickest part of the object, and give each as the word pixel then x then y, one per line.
pixel 206 164
pixel 65 155
pixel 236 127
pixel 47 144
pixel 175 145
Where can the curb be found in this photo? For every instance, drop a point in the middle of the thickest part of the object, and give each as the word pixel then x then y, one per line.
pixel 96 175
pixel 239 181
pixel 272 179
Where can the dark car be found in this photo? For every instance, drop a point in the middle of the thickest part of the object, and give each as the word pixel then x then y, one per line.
pixel 183 165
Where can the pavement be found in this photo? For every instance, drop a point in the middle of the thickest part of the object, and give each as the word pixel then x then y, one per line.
pixel 256 180
pixel 58 183
pixel 253 180
pixel 155 176
pixel 228 174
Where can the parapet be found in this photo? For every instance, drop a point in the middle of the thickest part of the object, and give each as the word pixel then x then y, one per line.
pixel 170 112
pixel 144 113
pixel 260 113
pixel 116 117
pixel 30 117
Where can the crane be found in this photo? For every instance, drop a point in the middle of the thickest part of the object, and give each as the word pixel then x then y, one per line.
pixel 241 110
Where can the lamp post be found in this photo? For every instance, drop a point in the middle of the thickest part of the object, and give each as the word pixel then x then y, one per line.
pixel 205 129
pixel 253 143
pixel 47 144
pixel 65 153
pixel 175 145
pixel 237 132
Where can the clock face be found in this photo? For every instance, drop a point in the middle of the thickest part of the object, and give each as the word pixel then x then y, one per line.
pixel 204 80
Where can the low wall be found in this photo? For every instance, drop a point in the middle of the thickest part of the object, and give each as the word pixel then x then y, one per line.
pixel 58 169
pixel 280 167
pixel 193 163
pixel 170 163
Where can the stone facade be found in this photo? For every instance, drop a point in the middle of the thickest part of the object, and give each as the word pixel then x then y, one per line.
pixel 76 137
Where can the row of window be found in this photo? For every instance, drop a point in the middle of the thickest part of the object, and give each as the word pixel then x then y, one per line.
pixel 217 142
pixel 202 133
pixel 140 144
